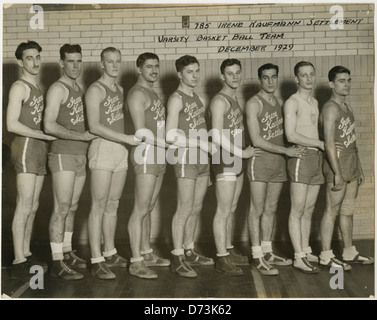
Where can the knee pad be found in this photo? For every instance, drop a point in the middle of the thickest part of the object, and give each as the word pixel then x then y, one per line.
pixel 112 208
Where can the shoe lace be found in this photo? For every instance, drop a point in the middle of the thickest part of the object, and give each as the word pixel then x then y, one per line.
pixel 66 268
pixel 338 261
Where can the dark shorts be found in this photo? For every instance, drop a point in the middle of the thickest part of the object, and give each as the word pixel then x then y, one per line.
pixel 267 167
pixel 29 155
pixel 67 162
pixel 349 166
pixel 107 155
pixel 218 166
pixel 150 161
pixel 308 169
pixel 191 171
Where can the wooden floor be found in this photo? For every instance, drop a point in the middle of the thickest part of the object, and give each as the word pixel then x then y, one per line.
pixel 290 283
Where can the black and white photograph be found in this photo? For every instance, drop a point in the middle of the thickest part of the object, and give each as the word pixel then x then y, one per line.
pixel 202 152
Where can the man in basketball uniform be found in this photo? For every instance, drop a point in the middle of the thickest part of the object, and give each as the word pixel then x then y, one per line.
pixel 28 152
pixel 301 128
pixel 342 170
pixel 267 172
pixel 148 160
pixel 108 163
pixel 228 132
pixel 185 121
pixel 64 119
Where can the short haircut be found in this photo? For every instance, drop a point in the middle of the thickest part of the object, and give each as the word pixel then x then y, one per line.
pixel 302 64
pixel 336 70
pixel 267 66
pixel 228 63
pixel 144 57
pixel 109 49
pixel 69 48
pixel 25 46
pixel 185 61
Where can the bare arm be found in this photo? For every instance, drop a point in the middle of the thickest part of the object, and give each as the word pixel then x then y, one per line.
pixel 93 98
pixel 55 97
pixel 16 97
pixel 218 108
pixel 136 101
pixel 329 116
pixel 290 125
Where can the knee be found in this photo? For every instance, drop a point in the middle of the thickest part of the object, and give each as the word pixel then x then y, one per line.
pixel 197 209
pixel 255 211
pixel 112 207
pixel 25 204
pixel 63 208
pixel 271 208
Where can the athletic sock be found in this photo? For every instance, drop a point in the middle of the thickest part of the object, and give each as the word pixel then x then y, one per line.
pixel 57 250
pixel 67 242
pixel 266 246
pixel 349 253
pixel 257 252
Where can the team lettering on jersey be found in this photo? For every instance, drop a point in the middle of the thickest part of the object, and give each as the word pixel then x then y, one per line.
pixel 348 131
pixel 236 122
pixel 114 109
pixel 77 112
pixel 273 125
pixel 159 109
pixel 195 114
pixel 37 104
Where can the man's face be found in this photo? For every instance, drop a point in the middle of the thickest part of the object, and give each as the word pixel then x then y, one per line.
pixel 269 80
pixel 72 65
pixel 31 61
pixel 341 84
pixel 111 63
pixel 190 75
pixel 306 77
pixel 150 70
pixel 232 76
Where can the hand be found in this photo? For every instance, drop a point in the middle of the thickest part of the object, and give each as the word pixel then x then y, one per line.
pixel 321 145
pixel 296 152
pixel 338 183
pixel 49 138
pixel 361 180
pixel 87 136
pixel 250 152
pixel 133 140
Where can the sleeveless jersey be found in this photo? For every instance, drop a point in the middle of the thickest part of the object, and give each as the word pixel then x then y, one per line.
pixel 233 120
pixel 71 116
pixel 32 108
pixel 271 122
pixel 192 117
pixel 345 128
pixel 154 116
pixel 111 109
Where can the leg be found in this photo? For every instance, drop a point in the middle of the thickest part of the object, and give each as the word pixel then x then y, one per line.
pixel 185 204
pixel 146 234
pixel 257 199
pixel 333 203
pixel 230 221
pixel 144 189
pixel 63 183
pixel 270 206
pixel 100 183
pixel 190 228
pixel 225 192
pixel 110 215
pixel 306 220
pixel 25 192
pixel 298 200
pixel 30 221
pixel 77 190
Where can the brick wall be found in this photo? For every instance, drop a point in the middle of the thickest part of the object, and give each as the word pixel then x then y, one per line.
pixel 280 33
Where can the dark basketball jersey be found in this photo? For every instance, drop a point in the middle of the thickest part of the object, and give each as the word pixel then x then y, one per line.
pixel 71 116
